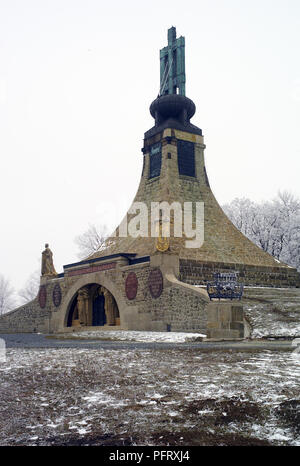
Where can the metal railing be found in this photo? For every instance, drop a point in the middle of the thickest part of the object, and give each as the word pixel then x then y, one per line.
pixel 225 286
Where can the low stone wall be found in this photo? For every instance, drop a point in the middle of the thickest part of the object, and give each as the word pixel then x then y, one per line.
pixel 185 311
pixel 29 318
pixel 199 273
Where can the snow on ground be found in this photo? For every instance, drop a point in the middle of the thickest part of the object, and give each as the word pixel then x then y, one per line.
pixel 133 335
pixel 149 397
pixel 271 312
pixel 271 320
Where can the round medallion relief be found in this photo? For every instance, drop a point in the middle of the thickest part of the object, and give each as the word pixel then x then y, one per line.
pixel 56 295
pixel 155 283
pixel 131 285
pixel 42 296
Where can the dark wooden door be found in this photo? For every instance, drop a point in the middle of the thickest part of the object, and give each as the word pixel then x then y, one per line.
pixel 99 317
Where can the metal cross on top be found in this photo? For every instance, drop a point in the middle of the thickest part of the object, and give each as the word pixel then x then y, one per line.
pixel 172 65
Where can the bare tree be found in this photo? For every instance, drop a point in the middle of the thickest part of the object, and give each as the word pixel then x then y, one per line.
pixel 92 240
pixel 7 295
pixel 30 290
pixel 274 226
pixel 242 213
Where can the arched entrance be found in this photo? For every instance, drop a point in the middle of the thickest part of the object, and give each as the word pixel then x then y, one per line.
pixel 93 305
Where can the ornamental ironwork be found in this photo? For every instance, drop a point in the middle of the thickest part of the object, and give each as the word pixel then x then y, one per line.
pixel 225 286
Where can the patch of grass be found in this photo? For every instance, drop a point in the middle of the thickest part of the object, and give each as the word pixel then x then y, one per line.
pixel 147 397
pixel 225 411
pixel 198 437
pixel 289 413
pixel 92 439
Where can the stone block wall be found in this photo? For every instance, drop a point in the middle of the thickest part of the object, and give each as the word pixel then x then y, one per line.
pixel 29 318
pixel 225 320
pixel 199 273
pixel 185 311
pixel 178 308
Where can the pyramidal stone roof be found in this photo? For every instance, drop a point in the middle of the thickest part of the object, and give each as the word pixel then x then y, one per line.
pixel 223 242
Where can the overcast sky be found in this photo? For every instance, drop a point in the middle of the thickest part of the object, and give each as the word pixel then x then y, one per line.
pixel 76 81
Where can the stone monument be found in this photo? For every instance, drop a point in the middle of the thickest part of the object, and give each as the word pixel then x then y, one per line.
pixel 155 280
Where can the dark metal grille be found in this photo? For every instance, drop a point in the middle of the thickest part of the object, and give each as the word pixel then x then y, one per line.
pixel 155 160
pixel 186 158
pixel 225 286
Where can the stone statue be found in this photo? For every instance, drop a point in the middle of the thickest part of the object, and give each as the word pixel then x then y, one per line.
pixel 47 262
pixel 109 308
pixel 82 303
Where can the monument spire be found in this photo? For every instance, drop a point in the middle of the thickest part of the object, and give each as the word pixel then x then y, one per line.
pixel 172 65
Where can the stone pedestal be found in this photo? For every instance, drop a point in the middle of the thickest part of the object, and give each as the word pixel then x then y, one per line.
pixel 76 323
pixel 225 321
pixel 165 262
